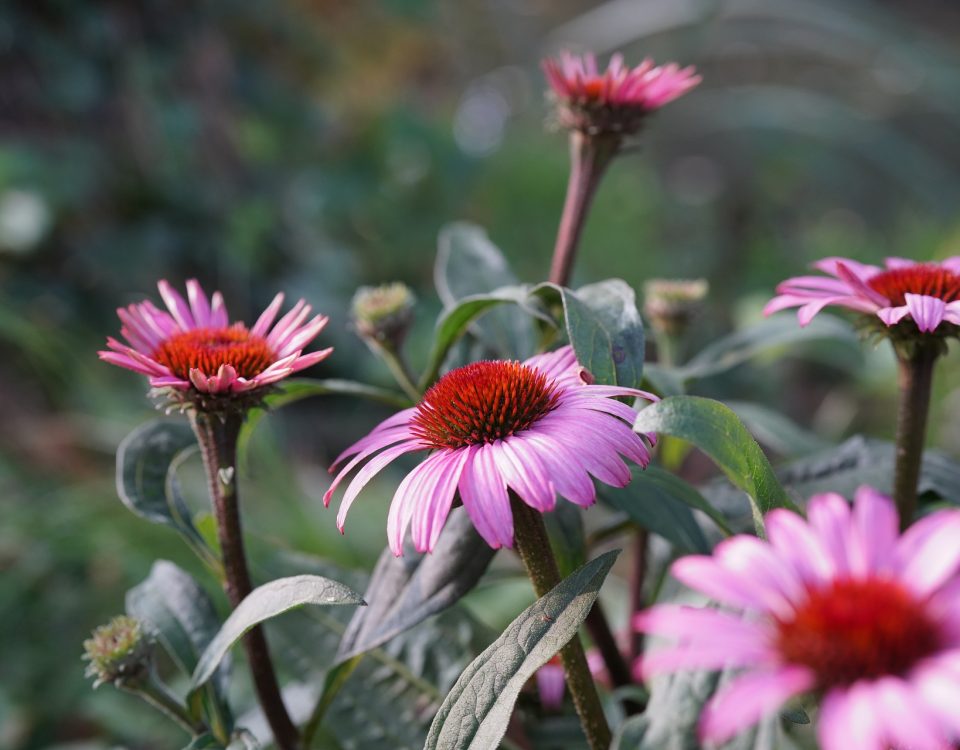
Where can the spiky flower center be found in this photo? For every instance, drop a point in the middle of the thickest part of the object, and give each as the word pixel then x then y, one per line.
pixel 483 402
pixel 206 349
pixel 926 279
pixel 858 629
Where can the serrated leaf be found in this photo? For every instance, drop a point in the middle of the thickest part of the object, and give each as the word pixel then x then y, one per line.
pixel 469 264
pixel 719 433
pixel 264 602
pixel 475 713
pixel 651 504
pixel 404 591
pixel 604 328
pixel 147 461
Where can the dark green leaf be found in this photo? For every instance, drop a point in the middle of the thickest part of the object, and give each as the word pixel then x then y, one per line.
pixel 183 617
pixel 406 590
pixel 469 264
pixel 476 711
pixel 205 741
pixel 776 431
pixel 604 328
pixel 779 332
pixel 147 461
pixel 264 602
pixel 652 503
pixel 719 433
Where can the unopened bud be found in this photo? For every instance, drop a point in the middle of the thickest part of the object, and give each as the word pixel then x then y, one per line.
pixel 672 304
pixel 384 313
pixel 119 652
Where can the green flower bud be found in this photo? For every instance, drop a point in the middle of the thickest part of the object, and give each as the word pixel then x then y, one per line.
pixel 384 313
pixel 672 304
pixel 119 652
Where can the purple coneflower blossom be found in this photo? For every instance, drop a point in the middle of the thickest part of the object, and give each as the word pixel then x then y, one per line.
pixel 550 684
pixel 840 606
pixel 194 345
pixel 926 293
pixel 616 99
pixel 535 428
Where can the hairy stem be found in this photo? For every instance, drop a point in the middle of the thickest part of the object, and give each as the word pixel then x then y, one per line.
pixel 916 379
pixel 217 435
pixel 533 546
pixel 589 157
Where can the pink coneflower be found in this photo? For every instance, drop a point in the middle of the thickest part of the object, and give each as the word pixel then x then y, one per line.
pixel 194 347
pixel 551 684
pixel 535 428
pixel 928 294
pixel 617 99
pixel 838 605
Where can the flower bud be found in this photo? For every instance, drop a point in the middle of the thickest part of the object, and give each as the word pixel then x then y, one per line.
pixel 672 304
pixel 383 313
pixel 119 652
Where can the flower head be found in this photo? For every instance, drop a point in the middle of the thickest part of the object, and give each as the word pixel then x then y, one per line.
pixel 119 651
pixel 535 428
pixel 192 348
pixel 616 100
pixel 906 296
pixel 839 605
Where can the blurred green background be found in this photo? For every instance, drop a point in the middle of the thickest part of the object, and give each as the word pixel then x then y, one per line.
pixel 311 146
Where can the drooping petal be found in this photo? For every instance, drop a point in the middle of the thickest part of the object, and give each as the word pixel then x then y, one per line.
pixel 484 495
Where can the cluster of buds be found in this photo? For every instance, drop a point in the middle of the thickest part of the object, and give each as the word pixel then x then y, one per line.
pixel 119 653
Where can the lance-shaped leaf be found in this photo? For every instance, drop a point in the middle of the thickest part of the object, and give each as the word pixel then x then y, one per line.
pixel 406 590
pixel 475 713
pixel 656 503
pixel 182 616
pixel 267 601
pixel 719 433
pixel 147 461
pixel 469 264
pixel 604 328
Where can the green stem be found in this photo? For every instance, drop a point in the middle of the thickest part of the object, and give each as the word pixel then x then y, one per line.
pixel 398 368
pixel 589 157
pixel 533 546
pixel 916 380
pixel 159 696
pixel 217 435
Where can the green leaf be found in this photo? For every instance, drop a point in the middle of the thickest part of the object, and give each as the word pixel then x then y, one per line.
pixel 469 264
pixel 651 502
pixel 453 323
pixel 776 431
pixel 686 493
pixel 264 602
pixel 718 432
pixel 183 617
pixel 567 538
pixel 779 332
pixel 604 328
pixel 476 711
pixel 404 591
pixel 205 741
pixel 147 462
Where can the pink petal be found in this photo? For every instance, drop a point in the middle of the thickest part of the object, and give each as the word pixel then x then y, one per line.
pixel 750 698
pixel 267 317
pixel 928 552
pixel 829 518
pixel 485 498
pixel 927 312
pixel 905 720
pixel 198 303
pixel 525 473
pixel 430 513
pixel 177 306
pixel 892 315
pixel 873 533
pixel 704 574
pixel 848 720
pixel 368 472
pixel 797 544
pixel 550 685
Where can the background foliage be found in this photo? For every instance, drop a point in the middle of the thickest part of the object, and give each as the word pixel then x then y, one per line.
pixel 312 146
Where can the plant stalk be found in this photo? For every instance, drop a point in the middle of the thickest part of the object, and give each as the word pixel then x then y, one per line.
pixel 533 546
pixel 217 435
pixel 915 381
pixel 159 696
pixel 589 157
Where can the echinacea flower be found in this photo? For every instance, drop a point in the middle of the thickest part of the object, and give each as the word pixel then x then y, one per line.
pixel 551 684
pixel 617 99
pixel 193 348
pixel 903 291
pixel 841 606
pixel 534 428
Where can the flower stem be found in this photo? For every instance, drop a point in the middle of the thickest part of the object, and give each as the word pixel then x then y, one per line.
pixel 916 379
pixel 159 696
pixel 217 435
pixel 533 546
pixel 398 367
pixel 589 157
